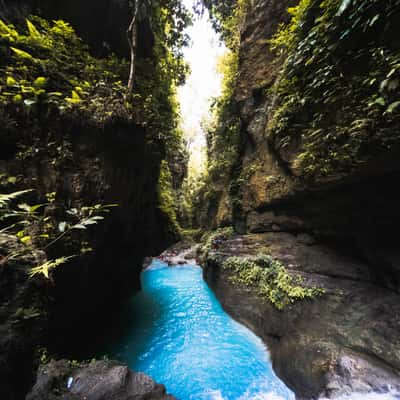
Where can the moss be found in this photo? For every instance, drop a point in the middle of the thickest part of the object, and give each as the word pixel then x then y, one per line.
pixel 209 238
pixel 337 94
pixel 269 280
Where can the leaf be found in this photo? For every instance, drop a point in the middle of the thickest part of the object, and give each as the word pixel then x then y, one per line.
pixel 373 20
pixel 29 102
pixel 24 207
pixel 40 82
pixel 10 81
pixel 17 98
pixel 32 30
pixel 34 208
pixel 392 72
pixel 72 211
pixel 79 226
pixel 21 53
pixel 343 7
pixel 74 99
pixel 45 268
pixel 393 107
pixel 5 199
pixel 62 226
pixel 26 239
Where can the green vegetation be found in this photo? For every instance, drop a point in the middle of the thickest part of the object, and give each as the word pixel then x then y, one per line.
pixel 46 70
pixel 224 139
pixel 52 88
pixel 223 132
pixel 167 197
pixel 37 227
pixel 337 94
pixel 269 280
pixel 154 99
pixel 208 239
pixel 226 17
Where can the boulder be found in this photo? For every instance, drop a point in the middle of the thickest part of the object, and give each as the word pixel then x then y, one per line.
pixel 98 380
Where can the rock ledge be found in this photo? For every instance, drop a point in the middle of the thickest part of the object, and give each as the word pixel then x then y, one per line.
pixel 99 380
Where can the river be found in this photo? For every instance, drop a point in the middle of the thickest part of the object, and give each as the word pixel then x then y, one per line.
pixel 177 332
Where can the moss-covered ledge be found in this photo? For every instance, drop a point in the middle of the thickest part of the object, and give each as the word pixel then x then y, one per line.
pixel 337 342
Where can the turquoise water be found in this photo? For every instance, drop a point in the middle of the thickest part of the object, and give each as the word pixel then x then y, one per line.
pixel 178 334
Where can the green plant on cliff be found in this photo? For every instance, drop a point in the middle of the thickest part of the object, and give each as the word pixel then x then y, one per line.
pixel 45 69
pixel 227 17
pixel 337 99
pixel 37 228
pixel 49 81
pixel 209 239
pixel 223 130
pixel 167 197
pixel 269 280
pixel 154 100
pixel 223 133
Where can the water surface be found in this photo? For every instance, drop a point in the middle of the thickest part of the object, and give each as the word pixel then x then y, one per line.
pixel 177 332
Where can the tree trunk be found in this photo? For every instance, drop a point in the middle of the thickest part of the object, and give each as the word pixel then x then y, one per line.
pixel 132 40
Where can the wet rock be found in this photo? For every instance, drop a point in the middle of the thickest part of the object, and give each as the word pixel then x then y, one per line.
pixel 269 221
pixel 305 238
pixel 353 373
pixel 343 341
pixel 99 380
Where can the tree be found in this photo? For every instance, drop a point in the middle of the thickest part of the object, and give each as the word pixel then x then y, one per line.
pixel 132 34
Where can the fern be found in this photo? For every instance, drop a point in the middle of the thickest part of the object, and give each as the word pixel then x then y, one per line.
pixel 48 266
pixel 6 199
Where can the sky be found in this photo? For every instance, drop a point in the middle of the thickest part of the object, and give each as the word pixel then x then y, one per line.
pixel 202 84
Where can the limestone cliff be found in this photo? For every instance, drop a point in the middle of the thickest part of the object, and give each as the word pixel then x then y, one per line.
pixel 69 132
pixel 313 184
pixel 319 128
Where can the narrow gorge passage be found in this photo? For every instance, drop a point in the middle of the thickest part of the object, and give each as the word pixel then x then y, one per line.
pixel 175 329
pixel 177 332
pixel 260 137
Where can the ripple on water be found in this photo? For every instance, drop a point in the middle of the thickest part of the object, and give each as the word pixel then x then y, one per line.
pixel 178 333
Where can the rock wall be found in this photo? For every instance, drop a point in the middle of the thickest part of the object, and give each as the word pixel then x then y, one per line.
pixel 83 163
pixel 115 165
pixel 342 342
pixel 354 205
pixel 332 221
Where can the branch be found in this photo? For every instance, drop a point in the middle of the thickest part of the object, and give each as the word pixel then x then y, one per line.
pixel 132 40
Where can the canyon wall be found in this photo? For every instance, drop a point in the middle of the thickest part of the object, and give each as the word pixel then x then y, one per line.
pixel 313 184
pixel 97 156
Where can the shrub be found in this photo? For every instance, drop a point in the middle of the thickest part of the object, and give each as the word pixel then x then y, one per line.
pixel 338 103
